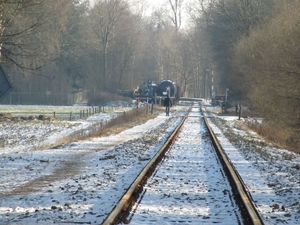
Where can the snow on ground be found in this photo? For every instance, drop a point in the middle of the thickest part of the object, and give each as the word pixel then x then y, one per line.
pixel 271 175
pixel 91 173
pixel 79 182
pixel 27 135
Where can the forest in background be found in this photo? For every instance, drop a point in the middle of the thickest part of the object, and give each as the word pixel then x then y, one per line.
pixel 250 47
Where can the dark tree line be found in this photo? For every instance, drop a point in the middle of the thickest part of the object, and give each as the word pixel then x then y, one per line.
pixel 268 63
pixel 249 47
pixel 253 47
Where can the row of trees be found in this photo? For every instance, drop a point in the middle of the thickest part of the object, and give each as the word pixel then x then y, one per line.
pixel 268 62
pixel 253 46
pixel 249 47
pixel 61 46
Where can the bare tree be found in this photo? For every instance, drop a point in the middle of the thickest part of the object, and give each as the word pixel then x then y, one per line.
pixel 23 26
pixel 104 16
pixel 242 14
pixel 123 50
pixel 268 61
pixel 222 24
pixel 174 10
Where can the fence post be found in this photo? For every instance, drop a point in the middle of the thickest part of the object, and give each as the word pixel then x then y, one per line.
pixel 54 115
pixel 70 116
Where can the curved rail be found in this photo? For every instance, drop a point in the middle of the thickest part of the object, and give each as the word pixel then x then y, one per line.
pixel 250 211
pixel 127 199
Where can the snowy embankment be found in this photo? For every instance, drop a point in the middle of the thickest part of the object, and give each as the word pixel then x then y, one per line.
pixel 272 175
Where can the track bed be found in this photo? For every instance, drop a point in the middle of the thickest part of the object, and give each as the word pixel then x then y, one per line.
pixel 189 186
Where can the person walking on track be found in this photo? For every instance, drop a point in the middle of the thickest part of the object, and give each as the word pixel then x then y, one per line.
pixel 168 104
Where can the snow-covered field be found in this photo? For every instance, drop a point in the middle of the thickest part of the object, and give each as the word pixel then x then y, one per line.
pixel 90 173
pixel 22 135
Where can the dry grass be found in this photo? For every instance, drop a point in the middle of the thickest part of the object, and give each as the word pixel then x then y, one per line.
pixel 102 98
pixel 279 136
pixel 127 120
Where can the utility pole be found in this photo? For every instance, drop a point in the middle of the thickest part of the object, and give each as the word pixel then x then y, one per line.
pixel 227 89
pixel 207 84
pixel 226 102
pixel 212 84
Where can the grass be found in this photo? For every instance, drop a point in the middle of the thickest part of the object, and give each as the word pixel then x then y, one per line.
pixel 128 120
pixel 279 136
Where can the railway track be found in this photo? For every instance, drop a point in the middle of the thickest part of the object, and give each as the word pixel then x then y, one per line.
pixel 192 182
pixel 185 184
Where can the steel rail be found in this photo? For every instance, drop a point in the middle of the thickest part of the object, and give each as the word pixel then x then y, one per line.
pixel 126 199
pixel 245 198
